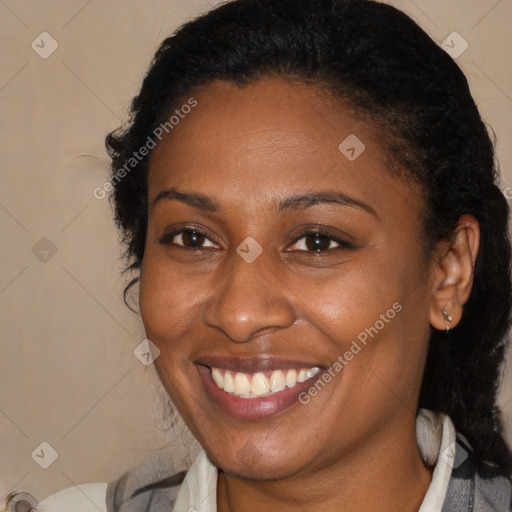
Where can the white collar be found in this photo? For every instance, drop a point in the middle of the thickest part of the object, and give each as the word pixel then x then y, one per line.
pixel 436 439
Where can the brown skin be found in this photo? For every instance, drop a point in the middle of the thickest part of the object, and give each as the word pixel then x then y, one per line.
pixel 353 446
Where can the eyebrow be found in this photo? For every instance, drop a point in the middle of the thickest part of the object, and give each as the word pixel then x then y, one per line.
pixel 199 201
pixel 306 200
pixel 207 204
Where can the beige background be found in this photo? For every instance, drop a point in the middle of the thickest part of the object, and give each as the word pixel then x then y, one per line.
pixel 68 375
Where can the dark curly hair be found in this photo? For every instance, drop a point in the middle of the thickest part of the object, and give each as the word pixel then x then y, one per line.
pixel 390 71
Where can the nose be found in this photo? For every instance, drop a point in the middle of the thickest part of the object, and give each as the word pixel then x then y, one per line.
pixel 250 299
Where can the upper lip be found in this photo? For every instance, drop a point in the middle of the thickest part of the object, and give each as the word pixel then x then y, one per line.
pixel 253 364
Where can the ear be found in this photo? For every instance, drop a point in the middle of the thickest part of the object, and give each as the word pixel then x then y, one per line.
pixel 453 272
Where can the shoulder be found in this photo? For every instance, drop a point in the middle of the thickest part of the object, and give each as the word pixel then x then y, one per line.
pixel 123 494
pixel 143 487
pixel 479 488
pixel 81 498
pixel 131 493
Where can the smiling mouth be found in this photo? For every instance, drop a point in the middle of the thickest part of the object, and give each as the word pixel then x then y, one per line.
pixel 260 384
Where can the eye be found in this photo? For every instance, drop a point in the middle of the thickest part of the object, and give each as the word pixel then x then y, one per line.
pixel 189 238
pixel 318 240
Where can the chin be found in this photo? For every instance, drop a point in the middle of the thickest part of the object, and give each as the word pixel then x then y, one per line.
pixel 259 463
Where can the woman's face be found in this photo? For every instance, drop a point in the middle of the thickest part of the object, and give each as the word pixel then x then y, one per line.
pixel 253 299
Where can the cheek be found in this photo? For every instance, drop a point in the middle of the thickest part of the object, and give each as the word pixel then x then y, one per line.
pixel 375 317
pixel 352 298
pixel 166 299
pixel 166 306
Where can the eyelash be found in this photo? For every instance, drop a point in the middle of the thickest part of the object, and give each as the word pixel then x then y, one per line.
pixel 168 237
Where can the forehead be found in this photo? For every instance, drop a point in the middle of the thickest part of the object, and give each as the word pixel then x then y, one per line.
pixel 271 138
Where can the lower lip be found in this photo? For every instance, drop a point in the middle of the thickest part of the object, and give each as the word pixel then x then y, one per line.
pixel 253 408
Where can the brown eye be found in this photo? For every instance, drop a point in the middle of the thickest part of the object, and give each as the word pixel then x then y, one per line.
pixel 192 238
pixel 318 241
pixel 187 237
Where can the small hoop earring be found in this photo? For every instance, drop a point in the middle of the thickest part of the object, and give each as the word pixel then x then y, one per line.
pixel 448 318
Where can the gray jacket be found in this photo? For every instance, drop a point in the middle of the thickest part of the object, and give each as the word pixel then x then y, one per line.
pixel 469 490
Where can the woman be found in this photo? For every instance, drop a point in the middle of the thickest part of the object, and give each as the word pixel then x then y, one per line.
pixel 310 197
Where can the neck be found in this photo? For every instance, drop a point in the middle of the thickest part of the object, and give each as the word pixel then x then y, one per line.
pixel 385 475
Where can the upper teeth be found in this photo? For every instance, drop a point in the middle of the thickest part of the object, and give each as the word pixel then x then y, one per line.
pixel 247 385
